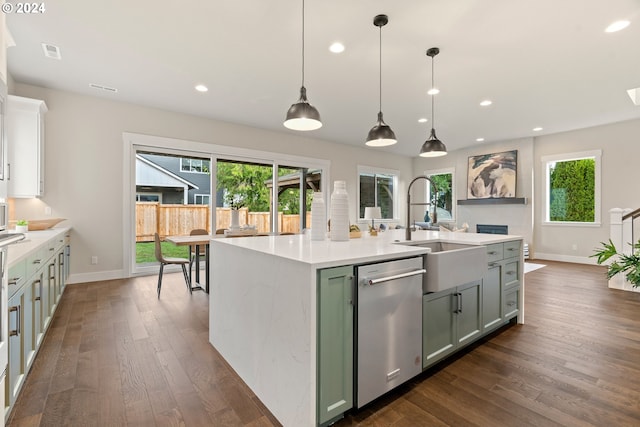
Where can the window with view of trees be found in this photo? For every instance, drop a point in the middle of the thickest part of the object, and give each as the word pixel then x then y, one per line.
pixel 573 188
pixel 443 179
pixel 377 188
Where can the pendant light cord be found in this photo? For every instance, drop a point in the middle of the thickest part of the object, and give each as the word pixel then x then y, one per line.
pixel 433 125
pixel 302 43
pixel 380 71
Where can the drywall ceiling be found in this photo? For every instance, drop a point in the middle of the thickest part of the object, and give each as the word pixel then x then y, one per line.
pixel 543 63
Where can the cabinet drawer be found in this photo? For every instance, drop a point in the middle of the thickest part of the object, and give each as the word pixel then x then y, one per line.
pixel 495 252
pixel 511 303
pixel 37 260
pixel 512 249
pixel 511 274
pixel 17 276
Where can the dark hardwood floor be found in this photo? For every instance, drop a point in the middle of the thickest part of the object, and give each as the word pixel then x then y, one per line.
pixel 117 356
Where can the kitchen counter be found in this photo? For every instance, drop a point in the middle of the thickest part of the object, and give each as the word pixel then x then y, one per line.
pixel 33 241
pixel 386 245
pixel 263 306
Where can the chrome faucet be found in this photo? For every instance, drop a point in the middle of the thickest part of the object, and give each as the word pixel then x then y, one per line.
pixel 409 204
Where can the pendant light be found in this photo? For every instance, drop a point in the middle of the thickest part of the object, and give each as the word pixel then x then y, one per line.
pixel 433 147
pixel 381 134
pixel 302 115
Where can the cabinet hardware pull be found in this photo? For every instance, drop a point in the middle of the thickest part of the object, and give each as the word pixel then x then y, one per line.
pixel 493 264
pixel 14 332
pixel 511 272
pixel 395 276
pixel 37 298
pixel 493 253
pixel 511 303
pixel 460 302
pixel 37 261
pixel 14 280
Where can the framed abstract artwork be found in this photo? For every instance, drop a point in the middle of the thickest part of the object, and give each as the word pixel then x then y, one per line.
pixel 492 175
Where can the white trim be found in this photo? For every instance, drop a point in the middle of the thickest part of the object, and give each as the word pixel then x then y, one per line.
pixel 565 258
pixel 544 160
pixel 95 277
pixel 454 204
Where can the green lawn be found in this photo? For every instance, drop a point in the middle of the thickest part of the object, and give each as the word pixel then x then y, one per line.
pixel 145 252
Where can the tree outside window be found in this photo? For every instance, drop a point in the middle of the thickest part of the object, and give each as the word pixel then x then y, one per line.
pixel 573 189
pixel 444 201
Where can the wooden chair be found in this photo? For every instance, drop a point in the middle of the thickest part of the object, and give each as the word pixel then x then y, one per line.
pixel 192 250
pixel 183 262
pixel 220 231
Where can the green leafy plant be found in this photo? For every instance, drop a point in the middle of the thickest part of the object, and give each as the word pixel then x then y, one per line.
pixel 22 222
pixel 629 265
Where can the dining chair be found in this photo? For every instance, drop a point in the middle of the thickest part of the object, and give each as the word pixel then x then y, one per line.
pixel 220 231
pixel 192 249
pixel 183 262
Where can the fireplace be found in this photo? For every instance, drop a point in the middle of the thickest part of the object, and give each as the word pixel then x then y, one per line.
pixel 492 229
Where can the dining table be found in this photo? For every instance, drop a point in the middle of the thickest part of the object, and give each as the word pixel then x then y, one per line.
pixel 197 241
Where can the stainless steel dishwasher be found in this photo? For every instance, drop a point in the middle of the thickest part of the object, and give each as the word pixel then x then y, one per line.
pixel 389 326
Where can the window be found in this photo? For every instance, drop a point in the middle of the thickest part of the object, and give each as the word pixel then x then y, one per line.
pixel 148 197
pixel 377 187
pixel 201 199
pixel 194 165
pixel 443 179
pixel 572 188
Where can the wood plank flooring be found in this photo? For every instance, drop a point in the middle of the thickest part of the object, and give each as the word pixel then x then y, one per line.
pixel 117 356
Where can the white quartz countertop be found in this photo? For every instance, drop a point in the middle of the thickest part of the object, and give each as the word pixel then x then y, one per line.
pixel 326 253
pixel 33 241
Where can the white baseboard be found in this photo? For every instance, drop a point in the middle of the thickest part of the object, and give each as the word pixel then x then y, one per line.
pixel 566 258
pixel 95 277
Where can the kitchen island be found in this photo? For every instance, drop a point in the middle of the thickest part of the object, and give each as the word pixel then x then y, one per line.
pixel 264 311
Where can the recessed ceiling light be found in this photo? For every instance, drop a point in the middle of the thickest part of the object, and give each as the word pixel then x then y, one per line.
pixel 423 120
pixel 479 139
pixel 617 26
pixel 336 47
pixel 538 129
pixel 433 91
pixel 201 88
pixel 486 103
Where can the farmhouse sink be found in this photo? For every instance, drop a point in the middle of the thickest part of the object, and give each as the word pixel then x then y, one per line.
pixel 451 264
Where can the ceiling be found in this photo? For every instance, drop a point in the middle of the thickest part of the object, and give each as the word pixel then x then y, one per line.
pixel 543 63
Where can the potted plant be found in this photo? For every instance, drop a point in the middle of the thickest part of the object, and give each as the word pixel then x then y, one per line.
pixel 629 265
pixel 235 203
pixel 22 226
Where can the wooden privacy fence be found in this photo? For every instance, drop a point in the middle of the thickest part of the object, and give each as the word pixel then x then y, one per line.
pixel 175 220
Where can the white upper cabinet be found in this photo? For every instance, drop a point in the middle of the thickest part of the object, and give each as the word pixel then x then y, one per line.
pixel 25 146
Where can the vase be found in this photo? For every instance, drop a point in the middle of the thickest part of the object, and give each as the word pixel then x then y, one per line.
pixel 22 228
pixel 339 212
pixel 235 219
pixel 318 217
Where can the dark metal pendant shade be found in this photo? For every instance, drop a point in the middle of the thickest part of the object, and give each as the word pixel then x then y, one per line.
pixel 433 147
pixel 302 115
pixel 381 134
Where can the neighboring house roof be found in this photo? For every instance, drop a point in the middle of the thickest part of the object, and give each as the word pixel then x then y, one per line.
pixel 152 175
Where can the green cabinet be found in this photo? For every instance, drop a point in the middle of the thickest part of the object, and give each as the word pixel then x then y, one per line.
pixel 501 289
pixel 35 286
pixel 335 343
pixel 451 319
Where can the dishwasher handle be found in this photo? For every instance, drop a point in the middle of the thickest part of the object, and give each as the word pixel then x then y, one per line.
pixel 372 282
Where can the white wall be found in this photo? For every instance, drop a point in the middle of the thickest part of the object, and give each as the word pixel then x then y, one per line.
pixel 84 165
pixel 620 145
pixel 519 218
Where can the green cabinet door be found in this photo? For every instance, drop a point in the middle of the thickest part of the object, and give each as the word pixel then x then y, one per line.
pixel 16 368
pixel 438 326
pixel 492 297
pixel 335 342
pixel 469 312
